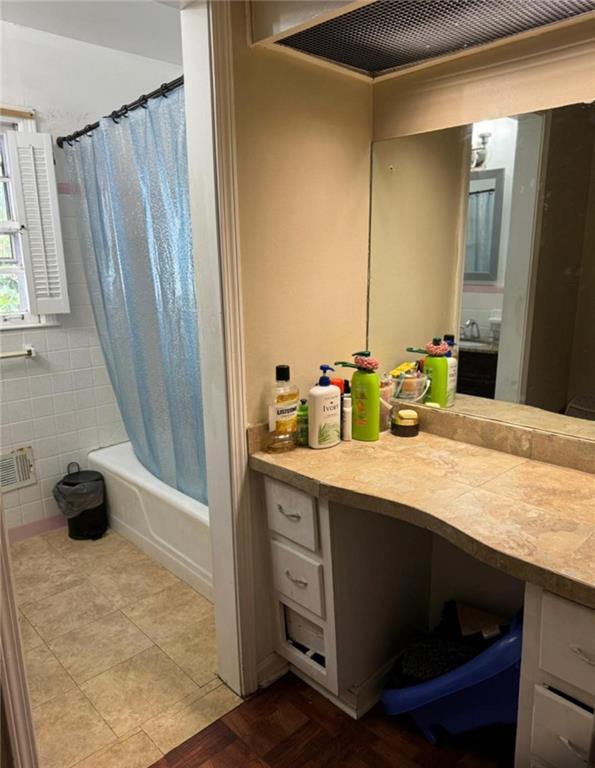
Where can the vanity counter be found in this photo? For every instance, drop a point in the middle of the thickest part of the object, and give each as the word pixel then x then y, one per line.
pixel 532 520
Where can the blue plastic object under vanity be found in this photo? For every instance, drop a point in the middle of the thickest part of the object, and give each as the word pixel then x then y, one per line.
pixel 484 691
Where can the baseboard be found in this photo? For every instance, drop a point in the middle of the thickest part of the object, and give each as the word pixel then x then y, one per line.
pixel 357 701
pixel 323 692
pixel 201 583
pixel 270 669
pixel 368 694
pixel 36 528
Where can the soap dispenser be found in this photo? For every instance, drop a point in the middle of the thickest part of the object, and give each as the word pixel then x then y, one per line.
pixel 324 412
pixel 365 396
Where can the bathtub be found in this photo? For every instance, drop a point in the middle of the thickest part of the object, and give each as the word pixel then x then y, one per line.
pixel 166 524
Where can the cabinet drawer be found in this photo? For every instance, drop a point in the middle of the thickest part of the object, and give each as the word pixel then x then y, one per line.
pixel 292 513
pixel 568 642
pixel 298 577
pixel 561 731
pixel 301 630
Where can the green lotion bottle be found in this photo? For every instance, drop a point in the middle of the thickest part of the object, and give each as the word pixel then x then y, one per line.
pixel 365 397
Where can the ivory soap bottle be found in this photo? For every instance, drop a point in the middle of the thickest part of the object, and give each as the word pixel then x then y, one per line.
pixel 324 412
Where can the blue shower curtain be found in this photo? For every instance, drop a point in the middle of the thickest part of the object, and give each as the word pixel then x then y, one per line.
pixel 132 183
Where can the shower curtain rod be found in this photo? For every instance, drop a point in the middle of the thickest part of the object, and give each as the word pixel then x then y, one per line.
pixel 163 90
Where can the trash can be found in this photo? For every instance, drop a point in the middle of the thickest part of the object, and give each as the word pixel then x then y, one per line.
pixel 81 497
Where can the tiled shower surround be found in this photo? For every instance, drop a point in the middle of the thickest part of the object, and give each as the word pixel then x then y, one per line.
pixel 61 402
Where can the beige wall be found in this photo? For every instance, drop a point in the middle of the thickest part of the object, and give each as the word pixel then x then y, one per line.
pixel 549 70
pixel 303 153
pixel 419 200
pixel 303 144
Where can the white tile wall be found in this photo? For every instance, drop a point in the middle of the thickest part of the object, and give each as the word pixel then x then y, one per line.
pixel 60 402
pixel 479 306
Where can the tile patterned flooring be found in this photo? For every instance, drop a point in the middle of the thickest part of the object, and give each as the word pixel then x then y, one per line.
pixel 120 654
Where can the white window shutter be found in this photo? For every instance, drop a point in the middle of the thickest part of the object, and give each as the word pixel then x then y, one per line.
pixel 32 169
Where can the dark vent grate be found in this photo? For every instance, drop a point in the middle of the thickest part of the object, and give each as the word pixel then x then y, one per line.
pixel 396 33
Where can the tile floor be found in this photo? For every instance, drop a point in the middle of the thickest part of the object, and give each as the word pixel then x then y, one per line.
pixel 120 653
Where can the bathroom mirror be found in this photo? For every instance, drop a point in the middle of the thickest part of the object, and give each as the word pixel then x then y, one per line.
pixel 487 232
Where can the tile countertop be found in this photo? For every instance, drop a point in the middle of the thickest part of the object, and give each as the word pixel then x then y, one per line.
pixel 533 520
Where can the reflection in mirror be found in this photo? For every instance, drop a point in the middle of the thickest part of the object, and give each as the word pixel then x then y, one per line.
pixel 484 224
pixel 487 232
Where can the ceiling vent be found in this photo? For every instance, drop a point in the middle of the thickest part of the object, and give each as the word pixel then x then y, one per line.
pixel 388 34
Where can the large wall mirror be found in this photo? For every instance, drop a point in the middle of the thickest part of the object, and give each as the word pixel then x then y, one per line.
pixel 487 232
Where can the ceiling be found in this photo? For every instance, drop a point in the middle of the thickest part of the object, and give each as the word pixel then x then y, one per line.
pixel 143 27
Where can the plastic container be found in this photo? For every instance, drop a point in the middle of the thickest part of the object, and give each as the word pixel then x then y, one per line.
pixel 411 387
pixel 283 412
pixel 81 497
pixel 365 396
pixel 441 368
pixel 386 391
pixel 482 692
pixel 442 373
pixel 302 423
pixel 346 414
pixel 324 412
pixel 405 423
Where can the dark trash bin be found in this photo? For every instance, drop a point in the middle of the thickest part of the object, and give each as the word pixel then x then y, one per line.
pixel 81 497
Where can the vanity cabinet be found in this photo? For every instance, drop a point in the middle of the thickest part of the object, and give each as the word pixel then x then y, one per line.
pixel 556 727
pixel 477 373
pixel 348 588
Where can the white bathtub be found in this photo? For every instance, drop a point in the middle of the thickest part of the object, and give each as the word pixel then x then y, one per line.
pixel 166 524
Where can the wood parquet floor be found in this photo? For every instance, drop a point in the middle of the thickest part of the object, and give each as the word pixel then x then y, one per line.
pixel 289 725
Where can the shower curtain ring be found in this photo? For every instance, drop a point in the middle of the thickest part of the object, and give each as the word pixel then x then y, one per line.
pixel 123 110
pixel 142 100
pixel 114 115
pixel 164 88
pixel 87 130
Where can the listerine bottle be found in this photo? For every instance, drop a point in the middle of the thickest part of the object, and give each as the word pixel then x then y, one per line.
pixel 283 412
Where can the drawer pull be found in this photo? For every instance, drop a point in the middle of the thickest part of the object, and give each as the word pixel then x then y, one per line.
pixel 295 516
pixel 295 580
pixel 582 655
pixel 578 753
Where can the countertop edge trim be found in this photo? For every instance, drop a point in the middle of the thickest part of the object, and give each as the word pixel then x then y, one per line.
pixel 565 586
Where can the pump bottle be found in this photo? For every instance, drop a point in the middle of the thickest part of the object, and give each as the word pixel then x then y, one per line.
pixel 324 412
pixel 365 396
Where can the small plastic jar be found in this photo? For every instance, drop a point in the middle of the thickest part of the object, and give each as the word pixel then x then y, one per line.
pixel 405 423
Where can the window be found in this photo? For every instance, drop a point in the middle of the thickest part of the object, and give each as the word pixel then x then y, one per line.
pixel 484 221
pixel 32 272
pixel 13 286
